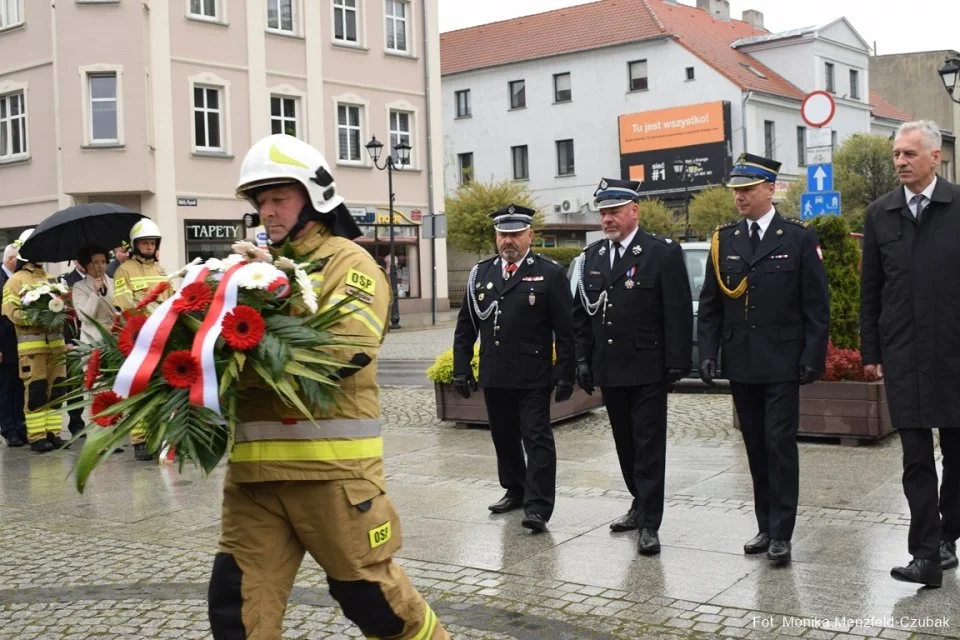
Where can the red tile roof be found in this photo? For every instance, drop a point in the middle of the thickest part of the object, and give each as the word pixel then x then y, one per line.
pixel 611 22
pixel 883 109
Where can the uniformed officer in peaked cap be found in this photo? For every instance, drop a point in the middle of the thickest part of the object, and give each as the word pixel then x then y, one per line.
pixel 518 303
pixel 633 319
pixel 767 311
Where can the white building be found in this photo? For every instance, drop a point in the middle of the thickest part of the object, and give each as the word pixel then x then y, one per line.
pixel 539 99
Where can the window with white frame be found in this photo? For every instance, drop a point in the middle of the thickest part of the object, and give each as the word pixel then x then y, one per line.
pixel 11 13
pixel 208 118
pixel 13 126
pixel 345 21
pixel 565 165
pixel 463 103
pixel 348 132
pixel 206 9
pixel 104 121
pixel 283 115
pixel 561 87
pixel 396 25
pixel 280 15
pixel 401 125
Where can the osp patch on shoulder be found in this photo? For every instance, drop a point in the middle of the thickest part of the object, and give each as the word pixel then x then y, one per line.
pixel 380 535
pixel 361 282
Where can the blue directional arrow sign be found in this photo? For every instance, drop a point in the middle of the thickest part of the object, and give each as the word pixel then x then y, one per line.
pixel 820 178
pixel 819 204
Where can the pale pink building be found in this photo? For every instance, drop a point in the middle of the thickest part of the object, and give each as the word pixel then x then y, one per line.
pixel 153 103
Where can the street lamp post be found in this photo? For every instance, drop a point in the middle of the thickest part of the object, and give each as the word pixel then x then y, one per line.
pixel 686 171
pixel 948 73
pixel 402 150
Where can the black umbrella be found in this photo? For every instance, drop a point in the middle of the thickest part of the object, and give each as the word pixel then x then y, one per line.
pixel 60 237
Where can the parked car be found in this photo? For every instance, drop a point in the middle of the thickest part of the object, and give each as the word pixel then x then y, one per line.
pixel 695 257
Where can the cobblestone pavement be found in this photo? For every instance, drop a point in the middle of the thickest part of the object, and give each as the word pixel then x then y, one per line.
pixel 131 557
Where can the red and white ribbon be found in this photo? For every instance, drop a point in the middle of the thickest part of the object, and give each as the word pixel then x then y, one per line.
pixel 206 389
pixel 135 373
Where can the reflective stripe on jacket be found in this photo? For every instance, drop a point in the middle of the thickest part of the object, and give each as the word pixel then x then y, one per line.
pixel 134 279
pixel 31 339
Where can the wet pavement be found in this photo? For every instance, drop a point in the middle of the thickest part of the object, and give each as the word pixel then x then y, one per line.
pixel 131 557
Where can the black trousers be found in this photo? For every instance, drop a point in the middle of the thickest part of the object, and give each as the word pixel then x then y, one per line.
pixel 12 421
pixel 931 519
pixel 638 417
pixel 769 419
pixel 520 421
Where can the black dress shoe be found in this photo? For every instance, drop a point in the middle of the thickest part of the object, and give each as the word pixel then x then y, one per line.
pixel 534 522
pixel 628 522
pixel 41 446
pixel 506 503
pixel 15 441
pixel 55 440
pixel 926 572
pixel 757 544
pixel 948 554
pixel 649 544
pixel 779 552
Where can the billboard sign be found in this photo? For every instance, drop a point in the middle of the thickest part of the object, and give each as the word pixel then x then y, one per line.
pixel 652 141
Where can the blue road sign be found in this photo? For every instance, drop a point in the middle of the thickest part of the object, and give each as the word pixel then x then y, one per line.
pixel 820 178
pixel 819 204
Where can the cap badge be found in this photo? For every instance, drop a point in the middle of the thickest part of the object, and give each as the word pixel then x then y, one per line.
pixel 511 209
pixel 603 184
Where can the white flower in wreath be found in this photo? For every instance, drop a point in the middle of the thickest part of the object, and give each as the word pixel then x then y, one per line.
pixel 55 304
pixel 306 290
pixel 285 263
pixel 30 297
pixel 45 290
pixel 257 275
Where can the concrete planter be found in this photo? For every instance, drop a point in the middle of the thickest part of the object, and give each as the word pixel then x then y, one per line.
pixel 451 407
pixel 855 412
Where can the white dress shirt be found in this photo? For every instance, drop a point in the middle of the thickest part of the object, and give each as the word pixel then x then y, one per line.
pixel 504 263
pixel 928 193
pixel 624 243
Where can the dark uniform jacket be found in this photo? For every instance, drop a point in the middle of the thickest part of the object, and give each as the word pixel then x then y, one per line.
pixel 644 324
pixel 516 340
pixel 8 335
pixel 910 305
pixel 782 320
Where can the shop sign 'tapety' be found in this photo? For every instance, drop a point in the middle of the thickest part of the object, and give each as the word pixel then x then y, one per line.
pixel 212 231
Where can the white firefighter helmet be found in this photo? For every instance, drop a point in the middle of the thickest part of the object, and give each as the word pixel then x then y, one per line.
pixel 24 236
pixel 282 159
pixel 144 229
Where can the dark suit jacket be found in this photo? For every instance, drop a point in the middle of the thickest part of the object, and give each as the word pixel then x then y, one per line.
pixel 783 319
pixel 645 325
pixel 517 338
pixel 8 335
pixel 910 305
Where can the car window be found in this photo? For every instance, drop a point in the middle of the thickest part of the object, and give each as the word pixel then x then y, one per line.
pixel 696 262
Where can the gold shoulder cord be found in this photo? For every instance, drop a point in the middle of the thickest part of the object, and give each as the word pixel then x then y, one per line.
pixel 740 288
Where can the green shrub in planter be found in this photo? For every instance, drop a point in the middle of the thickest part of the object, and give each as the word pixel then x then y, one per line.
pixel 841 257
pixel 563 255
pixel 441 371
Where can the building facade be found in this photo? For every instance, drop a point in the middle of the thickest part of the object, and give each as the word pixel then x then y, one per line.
pixel 654 90
pixel 152 104
pixel 911 81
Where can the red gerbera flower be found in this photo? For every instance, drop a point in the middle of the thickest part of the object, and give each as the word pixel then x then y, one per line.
pixel 154 293
pixel 102 402
pixel 196 296
pixel 93 369
pixel 128 335
pixel 180 369
pixel 243 328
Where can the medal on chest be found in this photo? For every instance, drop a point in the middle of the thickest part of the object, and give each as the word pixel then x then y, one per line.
pixel 532 298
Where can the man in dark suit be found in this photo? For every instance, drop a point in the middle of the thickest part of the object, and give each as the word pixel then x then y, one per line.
pixel 12 421
pixel 518 302
pixel 909 336
pixel 633 320
pixel 767 306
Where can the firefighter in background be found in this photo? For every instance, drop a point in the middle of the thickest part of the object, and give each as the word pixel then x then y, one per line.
pixel 292 487
pixel 133 280
pixel 42 355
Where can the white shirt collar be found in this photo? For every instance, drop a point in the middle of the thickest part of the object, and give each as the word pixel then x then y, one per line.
pixel 928 192
pixel 764 222
pixel 504 263
pixel 625 242
pixel 7 271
